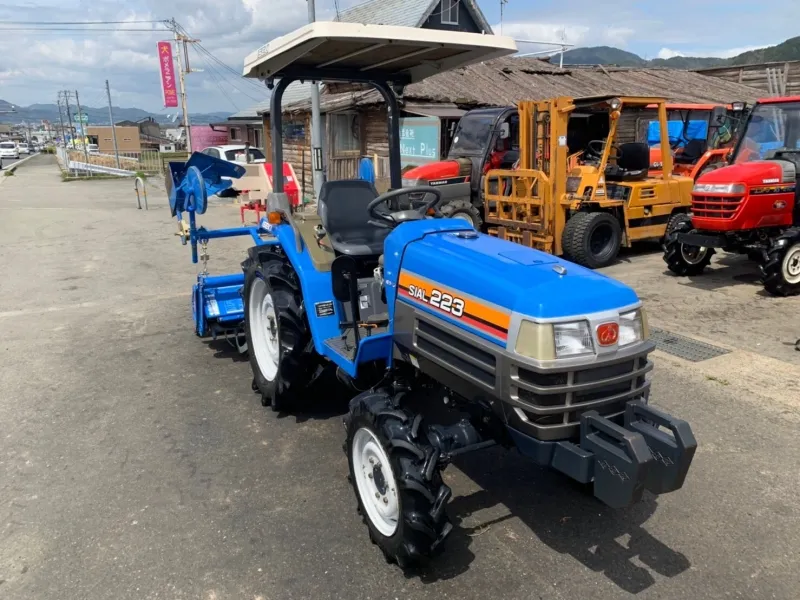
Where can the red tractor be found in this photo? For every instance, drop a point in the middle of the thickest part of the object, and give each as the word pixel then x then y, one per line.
pixel 486 139
pixel 751 206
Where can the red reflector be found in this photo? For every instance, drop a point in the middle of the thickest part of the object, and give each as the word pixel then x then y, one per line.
pixel 607 334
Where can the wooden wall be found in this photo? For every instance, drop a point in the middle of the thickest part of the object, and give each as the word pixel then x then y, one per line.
pixel 296 152
pixel 784 76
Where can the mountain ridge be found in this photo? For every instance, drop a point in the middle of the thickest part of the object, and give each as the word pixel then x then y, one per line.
pixel 609 55
pixel 35 113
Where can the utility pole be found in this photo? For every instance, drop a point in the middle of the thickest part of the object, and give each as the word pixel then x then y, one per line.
pixel 180 45
pixel 69 118
pixel 316 123
pixel 113 127
pixel 83 131
pixel 502 4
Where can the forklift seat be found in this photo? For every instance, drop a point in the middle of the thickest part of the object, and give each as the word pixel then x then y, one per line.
pixel 342 207
pixel 633 163
pixel 692 152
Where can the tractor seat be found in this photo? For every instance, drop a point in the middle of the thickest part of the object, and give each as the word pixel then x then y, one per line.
pixel 692 152
pixel 633 163
pixel 342 207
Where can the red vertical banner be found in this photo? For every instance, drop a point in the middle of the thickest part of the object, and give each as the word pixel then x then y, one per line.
pixel 167 74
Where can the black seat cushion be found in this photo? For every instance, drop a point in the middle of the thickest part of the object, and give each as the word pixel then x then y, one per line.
pixel 342 207
pixel 692 152
pixel 633 162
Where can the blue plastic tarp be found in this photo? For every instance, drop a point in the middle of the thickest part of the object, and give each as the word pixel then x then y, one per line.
pixel 695 129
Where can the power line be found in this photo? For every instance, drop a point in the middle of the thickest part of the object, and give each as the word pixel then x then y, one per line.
pixel 78 29
pixel 217 82
pixel 78 22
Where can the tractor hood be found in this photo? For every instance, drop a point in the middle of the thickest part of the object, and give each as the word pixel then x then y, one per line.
pixel 754 173
pixel 511 276
pixel 443 171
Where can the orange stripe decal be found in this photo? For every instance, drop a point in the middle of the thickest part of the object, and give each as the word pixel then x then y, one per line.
pixel 443 299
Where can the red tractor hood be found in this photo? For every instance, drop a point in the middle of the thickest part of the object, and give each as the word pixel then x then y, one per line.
pixel 445 169
pixel 759 172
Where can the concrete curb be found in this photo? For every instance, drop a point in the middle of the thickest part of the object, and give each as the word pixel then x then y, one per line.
pixel 13 167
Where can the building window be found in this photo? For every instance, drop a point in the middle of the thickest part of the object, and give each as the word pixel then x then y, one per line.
pixel 235 134
pixel 344 131
pixel 450 11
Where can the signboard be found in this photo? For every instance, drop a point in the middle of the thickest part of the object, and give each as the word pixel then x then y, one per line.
pixel 203 136
pixel 167 75
pixel 81 118
pixel 419 140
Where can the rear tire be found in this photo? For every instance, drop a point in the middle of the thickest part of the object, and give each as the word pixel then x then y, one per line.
pixel 278 338
pixel 592 239
pixel 683 259
pixel 463 209
pixel 781 271
pixel 395 475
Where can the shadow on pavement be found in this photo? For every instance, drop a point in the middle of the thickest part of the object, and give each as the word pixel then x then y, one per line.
pixel 564 517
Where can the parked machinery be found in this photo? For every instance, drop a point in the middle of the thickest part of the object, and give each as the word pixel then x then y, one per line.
pixel 750 206
pixel 451 340
pixel 579 193
pixel 701 136
pixel 485 139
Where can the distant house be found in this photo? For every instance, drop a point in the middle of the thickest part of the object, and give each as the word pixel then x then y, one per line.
pixel 128 138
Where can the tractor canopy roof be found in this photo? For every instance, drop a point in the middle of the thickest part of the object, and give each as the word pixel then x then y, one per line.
pixel 337 51
pixel 604 102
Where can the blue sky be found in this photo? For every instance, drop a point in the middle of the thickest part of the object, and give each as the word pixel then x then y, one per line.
pixel 35 64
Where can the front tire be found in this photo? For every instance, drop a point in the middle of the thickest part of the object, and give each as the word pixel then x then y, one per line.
pixel 278 338
pixel 592 239
pixel 781 271
pixel 463 209
pixel 395 474
pixel 683 259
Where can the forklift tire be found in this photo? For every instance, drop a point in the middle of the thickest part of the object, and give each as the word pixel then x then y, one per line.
pixel 276 329
pixel 682 259
pixel 463 209
pixel 781 270
pixel 394 471
pixel 592 239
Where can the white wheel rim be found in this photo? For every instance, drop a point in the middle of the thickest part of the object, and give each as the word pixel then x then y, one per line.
pixel 791 265
pixel 690 257
pixel 377 486
pixel 264 329
pixel 464 217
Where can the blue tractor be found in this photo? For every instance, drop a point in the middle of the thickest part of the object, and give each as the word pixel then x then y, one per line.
pixel 451 340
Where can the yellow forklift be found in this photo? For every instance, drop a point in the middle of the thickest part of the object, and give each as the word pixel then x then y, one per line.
pixel 579 189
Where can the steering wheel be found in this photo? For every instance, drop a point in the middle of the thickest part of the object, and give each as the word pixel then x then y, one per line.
pixel 393 219
pixel 595 149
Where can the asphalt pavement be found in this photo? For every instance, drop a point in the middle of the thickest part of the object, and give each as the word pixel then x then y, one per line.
pixel 10 162
pixel 136 463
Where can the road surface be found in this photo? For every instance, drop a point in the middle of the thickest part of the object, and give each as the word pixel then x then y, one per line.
pixel 136 463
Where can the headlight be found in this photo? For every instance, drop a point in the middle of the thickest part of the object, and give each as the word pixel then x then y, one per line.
pixel 573 339
pixel 615 104
pixel 573 183
pixel 413 182
pixel 632 327
pixel 535 340
pixel 719 188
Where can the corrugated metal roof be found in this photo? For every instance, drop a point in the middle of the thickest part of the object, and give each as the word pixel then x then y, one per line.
pixel 506 81
pixel 296 92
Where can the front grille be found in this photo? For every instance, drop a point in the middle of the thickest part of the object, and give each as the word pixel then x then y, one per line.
pixel 548 398
pixel 456 353
pixel 715 207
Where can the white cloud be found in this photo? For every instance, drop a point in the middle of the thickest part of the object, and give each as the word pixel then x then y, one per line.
pixel 669 53
pixel 576 35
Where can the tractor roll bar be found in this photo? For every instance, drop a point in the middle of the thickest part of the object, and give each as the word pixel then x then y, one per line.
pixel 276 123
